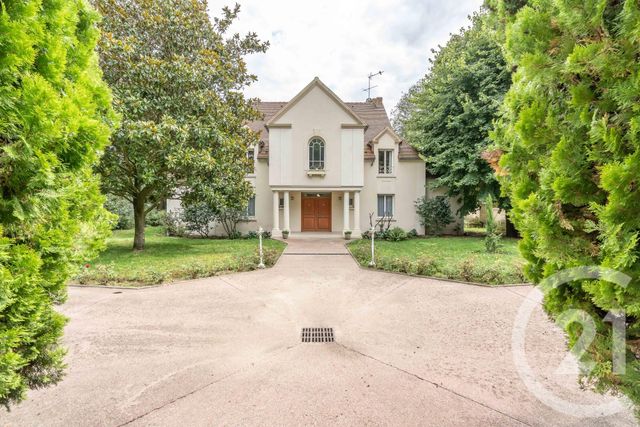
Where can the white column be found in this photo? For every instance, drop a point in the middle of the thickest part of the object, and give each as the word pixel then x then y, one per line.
pixel 276 215
pixel 286 211
pixel 345 202
pixel 356 215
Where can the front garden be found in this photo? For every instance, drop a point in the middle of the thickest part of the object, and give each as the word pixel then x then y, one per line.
pixel 167 258
pixel 455 258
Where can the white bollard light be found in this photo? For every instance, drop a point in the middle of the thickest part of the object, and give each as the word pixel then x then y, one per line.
pixel 260 231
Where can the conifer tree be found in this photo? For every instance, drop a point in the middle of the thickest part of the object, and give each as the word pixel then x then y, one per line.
pixel 55 114
pixel 570 143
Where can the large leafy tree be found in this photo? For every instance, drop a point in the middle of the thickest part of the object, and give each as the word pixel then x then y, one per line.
pixel 570 142
pixel 447 116
pixel 55 116
pixel 177 80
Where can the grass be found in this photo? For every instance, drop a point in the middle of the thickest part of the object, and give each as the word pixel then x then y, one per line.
pixel 172 258
pixel 455 258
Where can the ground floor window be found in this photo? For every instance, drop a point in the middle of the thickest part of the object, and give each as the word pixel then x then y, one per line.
pixel 251 207
pixel 385 205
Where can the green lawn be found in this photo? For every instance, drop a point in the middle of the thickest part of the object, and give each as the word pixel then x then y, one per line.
pixel 171 258
pixel 456 258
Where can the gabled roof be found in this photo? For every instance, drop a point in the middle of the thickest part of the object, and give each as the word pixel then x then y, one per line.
pixel 390 131
pixel 371 112
pixel 316 82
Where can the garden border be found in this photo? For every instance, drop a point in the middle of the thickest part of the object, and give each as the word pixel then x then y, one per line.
pixel 139 288
pixel 461 282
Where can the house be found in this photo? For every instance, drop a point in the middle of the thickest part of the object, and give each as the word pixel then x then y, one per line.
pixel 324 165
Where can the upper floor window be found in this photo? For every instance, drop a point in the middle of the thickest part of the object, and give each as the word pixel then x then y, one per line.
pixel 385 161
pixel 251 158
pixel 316 154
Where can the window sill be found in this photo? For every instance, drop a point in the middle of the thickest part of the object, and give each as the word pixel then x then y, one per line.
pixel 316 173
pixel 393 220
pixel 249 219
pixel 383 175
pixel 251 175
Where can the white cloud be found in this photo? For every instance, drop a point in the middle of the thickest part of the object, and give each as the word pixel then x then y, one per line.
pixel 343 41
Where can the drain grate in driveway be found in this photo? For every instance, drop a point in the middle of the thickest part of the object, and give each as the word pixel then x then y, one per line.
pixel 317 334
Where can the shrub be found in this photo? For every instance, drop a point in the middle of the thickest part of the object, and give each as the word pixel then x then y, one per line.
pixel 434 213
pixel 55 114
pixel 493 236
pixel 235 234
pixel 174 225
pixel 229 218
pixel 123 209
pixel 254 235
pixel 396 234
pixel 156 218
pixel 412 234
pixel 570 164
pixel 198 218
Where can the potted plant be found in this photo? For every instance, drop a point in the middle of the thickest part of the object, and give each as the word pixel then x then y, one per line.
pixel 347 235
pixel 285 234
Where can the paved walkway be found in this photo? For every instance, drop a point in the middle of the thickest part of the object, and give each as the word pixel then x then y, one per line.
pixel 227 351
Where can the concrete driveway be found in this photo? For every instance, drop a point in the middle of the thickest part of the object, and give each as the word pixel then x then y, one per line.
pixel 227 351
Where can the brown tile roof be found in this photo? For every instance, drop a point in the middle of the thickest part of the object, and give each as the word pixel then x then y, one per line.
pixel 372 113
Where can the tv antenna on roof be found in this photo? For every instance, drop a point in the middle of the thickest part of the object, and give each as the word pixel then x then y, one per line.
pixel 368 89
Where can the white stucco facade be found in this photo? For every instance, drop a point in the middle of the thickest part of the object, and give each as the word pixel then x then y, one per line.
pixel 348 186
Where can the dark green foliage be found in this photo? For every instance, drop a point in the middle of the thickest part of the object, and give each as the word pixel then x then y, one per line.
pixel 435 213
pixel 396 234
pixel 493 236
pixel 254 235
pixel 451 111
pixel 570 137
pixel 123 209
pixel 156 218
pixel 55 114
pixel 177 79
pixel 199 218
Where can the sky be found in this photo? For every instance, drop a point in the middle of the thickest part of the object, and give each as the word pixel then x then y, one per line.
pixel 341 42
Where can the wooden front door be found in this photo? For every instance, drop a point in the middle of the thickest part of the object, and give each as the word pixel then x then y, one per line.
pixel 316 213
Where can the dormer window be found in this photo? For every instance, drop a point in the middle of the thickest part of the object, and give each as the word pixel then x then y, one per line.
pixel 385 162
pixel 316 154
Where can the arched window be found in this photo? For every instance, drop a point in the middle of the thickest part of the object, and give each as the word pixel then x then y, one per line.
pixel 316 154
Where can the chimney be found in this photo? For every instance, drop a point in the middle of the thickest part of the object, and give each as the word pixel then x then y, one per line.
pixel 377 102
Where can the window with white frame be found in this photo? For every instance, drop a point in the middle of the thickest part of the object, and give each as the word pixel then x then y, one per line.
pixel 385 162
pixel 316 154
pixel 251 207
pixel 281 203
pixel 251 160
pixel 385 205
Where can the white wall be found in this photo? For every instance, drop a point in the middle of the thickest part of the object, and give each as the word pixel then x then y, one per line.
pixel 406 183
pixel 316 114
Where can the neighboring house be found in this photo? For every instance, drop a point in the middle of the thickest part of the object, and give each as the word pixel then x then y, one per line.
pixel 323 165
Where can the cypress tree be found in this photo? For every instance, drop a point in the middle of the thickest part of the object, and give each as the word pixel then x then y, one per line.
pixel 55 114
pixel 570 144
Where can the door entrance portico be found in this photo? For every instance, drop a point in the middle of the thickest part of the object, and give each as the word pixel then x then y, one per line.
pixel 324 210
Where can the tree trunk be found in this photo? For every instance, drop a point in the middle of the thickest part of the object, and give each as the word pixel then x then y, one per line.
pixel 139 216
pixel 510 228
